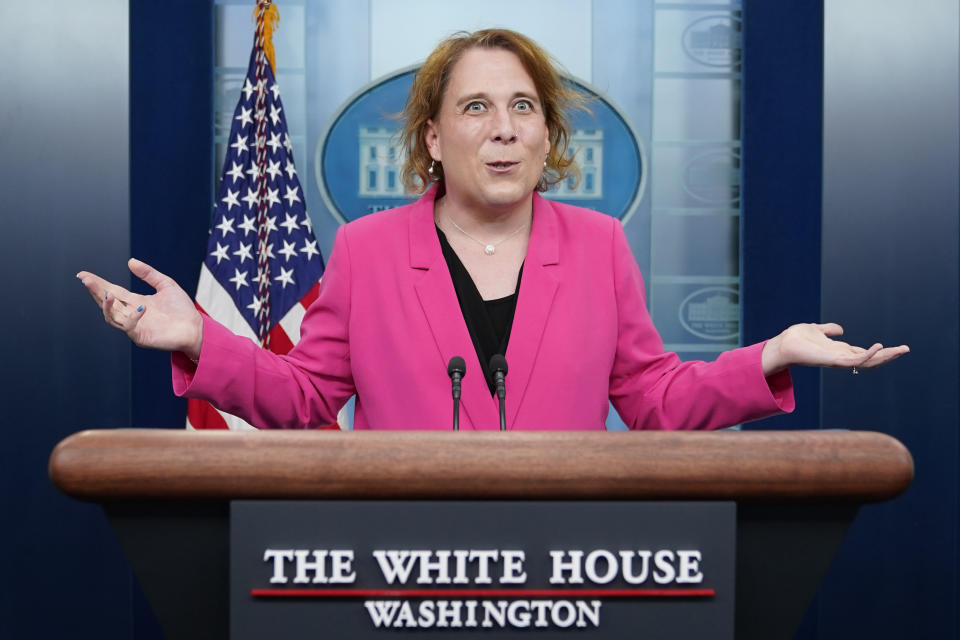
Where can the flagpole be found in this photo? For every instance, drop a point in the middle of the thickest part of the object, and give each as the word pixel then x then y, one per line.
pixel 264 14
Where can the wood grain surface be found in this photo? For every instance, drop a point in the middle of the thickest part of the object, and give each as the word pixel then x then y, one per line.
pixel 134 464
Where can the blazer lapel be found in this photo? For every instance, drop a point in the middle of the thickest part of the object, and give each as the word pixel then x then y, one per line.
pixel 438 300
pixel 538 288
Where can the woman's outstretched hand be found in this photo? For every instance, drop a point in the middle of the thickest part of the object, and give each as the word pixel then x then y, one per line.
pixel 166 320
pixel 813 345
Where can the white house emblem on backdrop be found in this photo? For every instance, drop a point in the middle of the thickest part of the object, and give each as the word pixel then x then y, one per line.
pixel 712 313
pixel 714 41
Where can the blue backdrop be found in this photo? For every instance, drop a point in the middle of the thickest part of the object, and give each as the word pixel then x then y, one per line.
pixel 105 151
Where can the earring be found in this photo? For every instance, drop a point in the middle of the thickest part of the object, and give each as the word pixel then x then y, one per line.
pixel 432 171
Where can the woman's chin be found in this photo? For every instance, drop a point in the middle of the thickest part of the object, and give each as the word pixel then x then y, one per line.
pixel 505 196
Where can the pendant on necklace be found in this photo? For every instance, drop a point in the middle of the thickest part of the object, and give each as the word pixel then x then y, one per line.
pixel 489 249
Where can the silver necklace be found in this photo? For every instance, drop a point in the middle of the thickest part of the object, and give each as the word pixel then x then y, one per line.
pixel 489 248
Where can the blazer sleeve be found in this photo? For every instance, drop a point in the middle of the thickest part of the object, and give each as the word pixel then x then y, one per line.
pixel 303 389
pixel 652 389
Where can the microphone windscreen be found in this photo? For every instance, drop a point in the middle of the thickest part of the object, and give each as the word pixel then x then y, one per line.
pixel 498 363
pixel 457 365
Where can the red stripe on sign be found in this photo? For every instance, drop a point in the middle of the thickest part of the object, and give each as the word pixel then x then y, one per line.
pixel 483 593
pixel 310 296
pixel 202 415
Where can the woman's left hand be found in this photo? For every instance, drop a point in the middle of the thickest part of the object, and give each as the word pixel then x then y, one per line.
pixel 813 345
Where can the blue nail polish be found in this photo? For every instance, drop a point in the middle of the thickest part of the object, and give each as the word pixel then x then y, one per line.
pixel 140 308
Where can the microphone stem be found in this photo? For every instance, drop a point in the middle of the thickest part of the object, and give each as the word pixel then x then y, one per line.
pixel 502 400
pixel 456 414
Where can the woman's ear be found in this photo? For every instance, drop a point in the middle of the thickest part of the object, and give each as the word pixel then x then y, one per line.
pixel 432 139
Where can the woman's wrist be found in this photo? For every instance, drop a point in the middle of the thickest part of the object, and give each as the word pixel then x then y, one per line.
pixel 771 359
pixel 193 351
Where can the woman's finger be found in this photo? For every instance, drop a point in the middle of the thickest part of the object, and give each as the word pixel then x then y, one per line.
pixel 98 288
pixel 121 315
pixel 860 359
pixel 831 329
pixel 95 285
pixel 108 306
pixel 884 356
pixel 148 274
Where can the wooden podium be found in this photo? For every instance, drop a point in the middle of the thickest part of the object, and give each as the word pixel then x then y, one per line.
pixel 167 494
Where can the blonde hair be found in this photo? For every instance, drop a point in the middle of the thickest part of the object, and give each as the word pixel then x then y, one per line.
pixel 431 81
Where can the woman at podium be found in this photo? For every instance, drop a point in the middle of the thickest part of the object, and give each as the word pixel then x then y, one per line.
pixel 480 265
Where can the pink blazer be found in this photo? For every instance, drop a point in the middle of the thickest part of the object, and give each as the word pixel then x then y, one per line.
pixel 387 321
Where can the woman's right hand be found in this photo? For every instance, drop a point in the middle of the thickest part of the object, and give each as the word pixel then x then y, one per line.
pixel 166 320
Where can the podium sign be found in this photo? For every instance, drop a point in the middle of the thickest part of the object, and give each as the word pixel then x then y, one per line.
pixel 497 569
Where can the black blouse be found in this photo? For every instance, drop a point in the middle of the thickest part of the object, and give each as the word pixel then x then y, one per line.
pixel 488 321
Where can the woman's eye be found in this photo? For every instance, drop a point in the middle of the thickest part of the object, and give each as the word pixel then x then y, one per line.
pixel 476 107
pixel 523 105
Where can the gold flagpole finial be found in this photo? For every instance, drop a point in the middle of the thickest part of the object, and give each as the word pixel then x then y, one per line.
pixel 268 17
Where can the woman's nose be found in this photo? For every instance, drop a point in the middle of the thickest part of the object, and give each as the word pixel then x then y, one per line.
pixel 504 129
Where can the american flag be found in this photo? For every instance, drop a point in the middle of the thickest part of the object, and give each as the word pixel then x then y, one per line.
pixel 262 266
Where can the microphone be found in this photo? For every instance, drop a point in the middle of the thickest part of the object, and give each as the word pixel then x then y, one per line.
pixel 498 365
pixel 456 369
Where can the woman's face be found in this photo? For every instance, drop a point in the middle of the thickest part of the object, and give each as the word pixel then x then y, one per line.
pixel 490 133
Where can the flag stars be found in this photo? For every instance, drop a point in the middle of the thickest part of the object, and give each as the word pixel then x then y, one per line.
pixel 240 145
pixel 261 155
pixel 252 199
pixel 220 253
pixel 291 196
pixel 289 223
pixel 225 226
pixel 271 225
pixel 289 251
pixel 310 248
pixel 244 117
pixel 274 114
pixel 306 222
pixel 285 277
pixel 231 199
pixel 274 169
pixel 272 198
pixel 248 225
pixel 244 252
pixel 236 172
pixel 247 89
pixel 274 142
pixel 239 278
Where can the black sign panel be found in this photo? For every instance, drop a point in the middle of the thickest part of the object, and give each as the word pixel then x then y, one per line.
pixel 370 569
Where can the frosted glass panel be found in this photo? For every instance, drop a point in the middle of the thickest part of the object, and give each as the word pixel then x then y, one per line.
pixel 567 33
pixel 695 179
pixel 700 110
